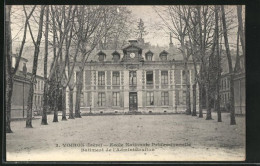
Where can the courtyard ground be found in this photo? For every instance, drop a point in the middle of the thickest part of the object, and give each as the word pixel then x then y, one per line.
pixel 173 137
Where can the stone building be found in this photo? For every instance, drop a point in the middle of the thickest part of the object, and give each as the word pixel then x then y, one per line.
pixel 21 90
pixel 239 88
pixel 135 80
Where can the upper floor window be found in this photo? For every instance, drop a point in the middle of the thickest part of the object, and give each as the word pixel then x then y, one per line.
pixel 149 57
pixel 116 57
pixel 116 78
pixel 101 78
pixel 149 77
pixel 132 77
pixel 101 56
pixel 164 77
pixel 163 57
pixel 184 77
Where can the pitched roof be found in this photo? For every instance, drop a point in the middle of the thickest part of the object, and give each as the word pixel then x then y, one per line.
pixel 149 52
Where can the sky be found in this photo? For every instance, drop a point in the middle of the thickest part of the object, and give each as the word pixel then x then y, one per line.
pixel 162 36
pixel 156 35
pixel 151 18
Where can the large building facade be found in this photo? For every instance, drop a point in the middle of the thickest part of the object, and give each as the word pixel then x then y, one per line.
pixel 135 80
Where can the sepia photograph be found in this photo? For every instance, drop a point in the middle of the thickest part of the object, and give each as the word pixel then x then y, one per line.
pixel 125 83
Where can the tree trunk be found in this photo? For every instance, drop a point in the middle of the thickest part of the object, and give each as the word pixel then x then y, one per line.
pixel 217 104
pixel 208 117
pixel 78 93
pixel 64 103
pixel 194 87
pixel 9 92
pixel 34 71
pixel 9 78
pixel 45 93
pixel 232 109
pixel 78 97
pixel 241 27
pixel 71 116
pixel 200 101
pixel 45 105
pixel 188 107
pixel 55 114
pixel 29 105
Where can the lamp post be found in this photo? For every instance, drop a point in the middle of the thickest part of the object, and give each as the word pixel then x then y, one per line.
pixel 25 74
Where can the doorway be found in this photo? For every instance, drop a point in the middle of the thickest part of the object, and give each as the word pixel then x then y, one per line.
pixel 133 106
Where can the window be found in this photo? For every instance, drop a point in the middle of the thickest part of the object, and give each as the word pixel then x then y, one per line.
pixel 149 98
pixel 116 58
pixel 101 57
pixel 116 78
pixel 101 78
pixel 177 98
pixel 115 98
pixel 132 77
pixel 184 77
pixel 163 57
pixel 39 100
pixel 101 99
pixel 35 100
pixel 149 77
pixel 165 98
pixel 164 77
pixel 149 57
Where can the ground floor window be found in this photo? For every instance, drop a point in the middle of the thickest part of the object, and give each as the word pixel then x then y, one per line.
pixel 177 98
pixel 149 98
pixel 115 98
pixel 165 98
pixel 101 99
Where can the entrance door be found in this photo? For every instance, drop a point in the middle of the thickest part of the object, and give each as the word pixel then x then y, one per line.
pixel 133 101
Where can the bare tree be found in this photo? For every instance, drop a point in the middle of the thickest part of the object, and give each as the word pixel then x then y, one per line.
pixel 34 69
pixel 94 23
pixel 218 59
pixel 231 72
pixel 10 71
pixel 174 20
pixel 45 94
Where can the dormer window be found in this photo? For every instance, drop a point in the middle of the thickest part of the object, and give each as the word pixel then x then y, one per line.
pixel 101 56
pixel 116 56
pixel 149 56
pixel 163 55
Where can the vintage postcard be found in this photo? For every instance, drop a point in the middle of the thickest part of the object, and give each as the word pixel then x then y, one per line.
pixel 125 83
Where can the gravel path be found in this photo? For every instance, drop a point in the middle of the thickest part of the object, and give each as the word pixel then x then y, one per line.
pixel 128 137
